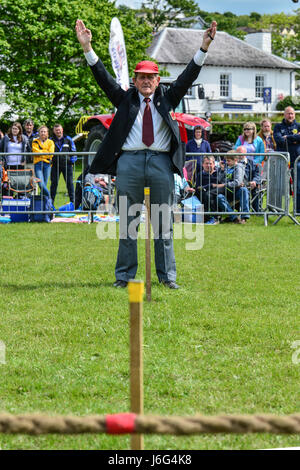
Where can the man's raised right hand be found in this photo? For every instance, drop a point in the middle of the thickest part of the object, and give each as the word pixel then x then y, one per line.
pixel 84 36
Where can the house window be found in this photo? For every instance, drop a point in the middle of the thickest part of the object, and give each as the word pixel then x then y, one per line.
pixel 259 86
pixel 224 85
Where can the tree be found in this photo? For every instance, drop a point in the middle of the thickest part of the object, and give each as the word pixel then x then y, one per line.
pixel 292 101
pixel 42 63
pixel 285 33
pixel 172 13
pixel 227 22
pixel 255 16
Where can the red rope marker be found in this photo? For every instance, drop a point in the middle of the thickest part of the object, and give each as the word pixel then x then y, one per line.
pixel 120 423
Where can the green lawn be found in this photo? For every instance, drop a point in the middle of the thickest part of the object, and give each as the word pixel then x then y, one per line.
pixel 220 344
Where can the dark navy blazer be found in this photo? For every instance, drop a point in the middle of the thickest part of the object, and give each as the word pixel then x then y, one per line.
pixel 128 104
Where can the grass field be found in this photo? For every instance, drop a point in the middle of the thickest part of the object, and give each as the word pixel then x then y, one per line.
pixel 221 344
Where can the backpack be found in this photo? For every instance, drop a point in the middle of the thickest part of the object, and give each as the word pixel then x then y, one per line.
pixel 92 197
pixel 38 204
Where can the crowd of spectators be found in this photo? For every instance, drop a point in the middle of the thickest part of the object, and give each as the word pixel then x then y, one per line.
pixel 19 140
pixel 225 184
pixel 233 182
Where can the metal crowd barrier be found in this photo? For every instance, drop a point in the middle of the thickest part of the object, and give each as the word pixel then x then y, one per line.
pixel 20 187
pixel 296 186
pixel 272 197
pixel 278 194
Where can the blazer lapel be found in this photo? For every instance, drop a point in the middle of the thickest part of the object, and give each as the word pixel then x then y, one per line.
pixel 134 108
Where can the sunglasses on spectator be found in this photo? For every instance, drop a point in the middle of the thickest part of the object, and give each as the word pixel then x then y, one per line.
pixel 248 128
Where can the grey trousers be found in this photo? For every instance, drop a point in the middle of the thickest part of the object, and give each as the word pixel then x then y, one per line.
pixel 136 170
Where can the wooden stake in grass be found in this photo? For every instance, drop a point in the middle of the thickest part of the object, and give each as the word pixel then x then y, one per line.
pixel 136 291
pixel 148 243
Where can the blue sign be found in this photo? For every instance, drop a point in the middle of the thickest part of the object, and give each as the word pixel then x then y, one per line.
pixel 267 95
pixel 237 106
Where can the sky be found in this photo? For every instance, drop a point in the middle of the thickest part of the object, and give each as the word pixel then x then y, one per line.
pixel 239 7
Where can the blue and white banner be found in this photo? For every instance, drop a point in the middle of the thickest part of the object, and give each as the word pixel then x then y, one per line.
pixel 118 55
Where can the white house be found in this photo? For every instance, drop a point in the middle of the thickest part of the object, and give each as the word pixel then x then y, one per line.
pixel 237 74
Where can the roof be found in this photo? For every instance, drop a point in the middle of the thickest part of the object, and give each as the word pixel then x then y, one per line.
pixel 178 46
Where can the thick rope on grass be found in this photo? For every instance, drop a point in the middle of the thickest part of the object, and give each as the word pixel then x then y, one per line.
pixel 129 423
pixel 219 424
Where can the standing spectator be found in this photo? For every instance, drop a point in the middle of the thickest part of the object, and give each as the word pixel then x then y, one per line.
pixel 267 137
pixel 30 133
pixel 42 163
pixel 266 134
pixel 231 189
pixel 197 146
pixel 28 130
pixel 251 142
pixel 287 138
pixel 143 147
pixel 16 143
pixel 62 163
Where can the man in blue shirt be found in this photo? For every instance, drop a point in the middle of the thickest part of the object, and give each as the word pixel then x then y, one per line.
pixel 64 163
pixel 287 138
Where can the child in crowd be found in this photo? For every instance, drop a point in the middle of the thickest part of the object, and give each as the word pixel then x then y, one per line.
pixel 231 190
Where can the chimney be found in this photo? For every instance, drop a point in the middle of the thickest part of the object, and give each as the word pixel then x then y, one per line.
pixel 261 40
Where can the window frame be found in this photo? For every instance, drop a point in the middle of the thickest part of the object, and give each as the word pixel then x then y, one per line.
pixel 259 89
pixel 226 86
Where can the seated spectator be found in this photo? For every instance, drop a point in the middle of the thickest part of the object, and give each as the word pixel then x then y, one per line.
pixel 231 190
pixel 181 188
pixel 204 185
pixel 98 180
pixel 252 179
pixel 251 142
pixel 15 143
pixel 42 163
pixel 94 192
pixel 197 145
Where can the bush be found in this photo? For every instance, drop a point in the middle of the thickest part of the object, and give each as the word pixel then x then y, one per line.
pixel 231 130
pixel 293 101
pixel 227 131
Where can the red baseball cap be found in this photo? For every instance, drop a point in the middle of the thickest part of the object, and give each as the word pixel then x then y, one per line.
pixel 146 66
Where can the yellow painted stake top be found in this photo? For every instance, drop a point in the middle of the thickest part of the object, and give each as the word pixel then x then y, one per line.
pixel 136 291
